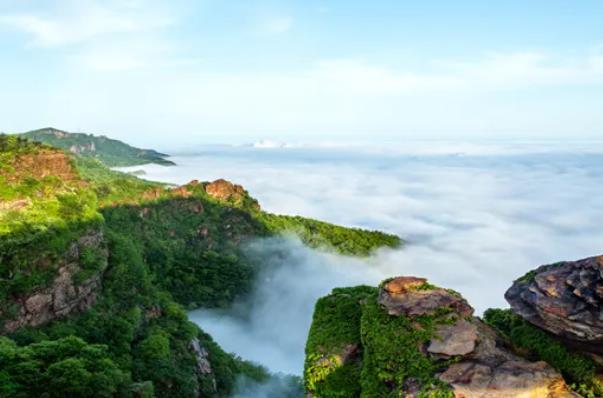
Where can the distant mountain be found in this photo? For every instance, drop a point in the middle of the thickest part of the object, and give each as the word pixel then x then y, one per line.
pixel 112 153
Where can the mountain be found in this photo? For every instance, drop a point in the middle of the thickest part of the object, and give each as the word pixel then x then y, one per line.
pixel 112 153
pixel 409 338
pixel 97 268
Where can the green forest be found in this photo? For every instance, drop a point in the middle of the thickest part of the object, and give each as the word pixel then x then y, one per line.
pixel 155 250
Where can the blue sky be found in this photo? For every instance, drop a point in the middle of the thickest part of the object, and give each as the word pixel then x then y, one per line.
pixel 201 71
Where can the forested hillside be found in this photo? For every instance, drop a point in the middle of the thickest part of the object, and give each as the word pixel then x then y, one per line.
pixel 109 151
pixel 97 267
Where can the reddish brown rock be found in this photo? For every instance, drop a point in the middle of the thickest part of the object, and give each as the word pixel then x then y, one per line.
pixel 43 163
pixel 403 284
pixel 224 190
pixel 401 296
pixel 182 192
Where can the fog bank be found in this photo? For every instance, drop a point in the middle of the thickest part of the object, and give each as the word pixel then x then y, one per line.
pixel 475 220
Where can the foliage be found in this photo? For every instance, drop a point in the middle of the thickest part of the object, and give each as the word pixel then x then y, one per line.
pixel 191 253
pixel 166 247
pixel 392 353
pixel 111 152
pixel 63 367
pixel 146 333
pixel 40 216
pixel 319 234
pixel 386 350
pixel 578 369
pixel 112 187
pixel 335 328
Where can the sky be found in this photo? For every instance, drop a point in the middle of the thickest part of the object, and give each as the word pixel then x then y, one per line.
pixel 154 72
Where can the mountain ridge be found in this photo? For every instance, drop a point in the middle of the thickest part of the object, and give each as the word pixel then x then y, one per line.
pixel 111 152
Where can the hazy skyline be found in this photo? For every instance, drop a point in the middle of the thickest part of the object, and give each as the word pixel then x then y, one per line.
pixel 154 72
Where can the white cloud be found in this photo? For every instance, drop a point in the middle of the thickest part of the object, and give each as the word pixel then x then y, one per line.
pixel 474 222
pixel 71 22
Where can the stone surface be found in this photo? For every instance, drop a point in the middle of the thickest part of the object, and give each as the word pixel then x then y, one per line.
pixel 403 284
pixel 402 299
pixel 456 339
pixel 204 369
pixel 485 367
pixel 224 190
pixel 564 299
pixel 63 296
pixel 511 379
pixel 43 163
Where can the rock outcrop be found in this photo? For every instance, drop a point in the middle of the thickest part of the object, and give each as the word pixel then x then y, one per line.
pixel 437 334
pixel 483 366
pixel 65 295
pixel 204 370
pixel 224 190
pixel 407 295
pixel 564 299
pixel 227 191
pixel 43 163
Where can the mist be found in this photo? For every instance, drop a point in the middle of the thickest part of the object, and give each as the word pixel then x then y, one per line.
pixel 475 218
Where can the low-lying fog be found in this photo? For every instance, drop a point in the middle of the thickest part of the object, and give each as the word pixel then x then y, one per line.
pixel 475 218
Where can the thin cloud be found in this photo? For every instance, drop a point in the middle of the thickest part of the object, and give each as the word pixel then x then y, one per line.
pixel 71 22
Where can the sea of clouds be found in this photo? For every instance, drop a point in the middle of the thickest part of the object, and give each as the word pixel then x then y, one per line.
pixel 476 217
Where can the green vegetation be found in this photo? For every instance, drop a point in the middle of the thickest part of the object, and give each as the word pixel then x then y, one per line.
pixel 319 234
pixel 578 369
pixel 355 349
pixel 146 334
pixel 333 336
pixel 111 152
pixel 40 214
pixel 160 248
pixel 59 368
pixel 392 353
pixel 190 245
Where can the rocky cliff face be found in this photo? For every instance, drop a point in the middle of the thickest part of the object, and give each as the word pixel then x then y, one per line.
pixel 67 293
pixel 42 163
pixel 418 340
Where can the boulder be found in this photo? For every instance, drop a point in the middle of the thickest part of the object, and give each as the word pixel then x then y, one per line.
pixel 456 339
pixel 564 299
pixel 404 295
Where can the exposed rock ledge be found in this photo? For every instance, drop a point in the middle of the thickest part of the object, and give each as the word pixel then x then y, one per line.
pixel 63 296
pixel 564 299
pixel 484 368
